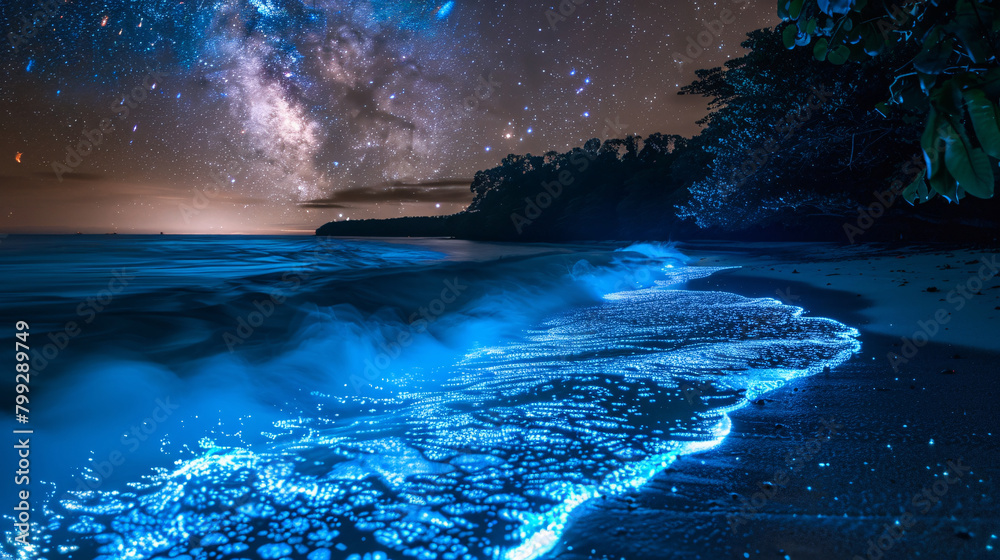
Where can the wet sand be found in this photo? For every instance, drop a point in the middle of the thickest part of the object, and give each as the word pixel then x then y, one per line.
pixel 860 462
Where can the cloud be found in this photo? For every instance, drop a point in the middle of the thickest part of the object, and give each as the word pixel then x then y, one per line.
pixel 74 176
pixel 451 190
pixel 322 203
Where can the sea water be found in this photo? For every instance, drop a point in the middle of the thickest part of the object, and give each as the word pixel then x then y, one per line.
pixel 289 397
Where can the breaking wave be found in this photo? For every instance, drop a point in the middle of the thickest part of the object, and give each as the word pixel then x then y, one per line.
pixel 437 400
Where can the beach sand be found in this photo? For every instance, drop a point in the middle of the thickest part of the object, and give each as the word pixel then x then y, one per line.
pixel 826 466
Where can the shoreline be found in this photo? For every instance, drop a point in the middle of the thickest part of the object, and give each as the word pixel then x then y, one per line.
pixel 894 435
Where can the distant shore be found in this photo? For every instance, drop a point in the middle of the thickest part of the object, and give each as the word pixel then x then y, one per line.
pixel 477 226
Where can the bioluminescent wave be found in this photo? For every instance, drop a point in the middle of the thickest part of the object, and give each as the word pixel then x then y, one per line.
pixel 489 454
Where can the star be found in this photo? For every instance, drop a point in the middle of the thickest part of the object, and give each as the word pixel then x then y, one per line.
pixel 296 101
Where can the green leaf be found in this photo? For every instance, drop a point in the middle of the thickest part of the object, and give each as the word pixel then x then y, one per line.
pixel 859 5
pixel 820 48
pixel 930 142
pixel 811 26
pixel 985 120
pixel 990 83
pixel 783 9
pixel 922 191
pixel 795 9
pixel 945 185
pixel 933 57
pixel 970 166
pixel 967 24
pixel 927 82
pixel 917 190
pixel 971 39
pixel 788 36
pixel 874 43
pixel 830 7
pixel 839 55
pixel 855 36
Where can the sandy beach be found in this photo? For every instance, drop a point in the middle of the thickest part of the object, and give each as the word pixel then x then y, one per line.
pixel 887 456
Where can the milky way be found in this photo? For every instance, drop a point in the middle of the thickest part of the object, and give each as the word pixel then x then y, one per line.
pixel 294 101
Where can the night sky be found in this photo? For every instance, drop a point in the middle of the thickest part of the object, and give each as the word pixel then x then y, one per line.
pixel 272 116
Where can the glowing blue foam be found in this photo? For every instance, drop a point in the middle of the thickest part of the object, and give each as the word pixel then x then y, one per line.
pixel 492 464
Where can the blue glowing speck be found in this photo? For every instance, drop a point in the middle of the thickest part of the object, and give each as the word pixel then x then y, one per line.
pixel 586 114
pixel 178 96
pixel 529 130
pixel 445 9
pixel 572 72
pixel 488 148
pixel 31 62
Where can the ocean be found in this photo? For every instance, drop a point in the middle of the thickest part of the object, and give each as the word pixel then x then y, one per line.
pixel 211 397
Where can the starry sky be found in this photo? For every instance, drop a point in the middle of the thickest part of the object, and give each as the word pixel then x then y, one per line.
pixel 276 116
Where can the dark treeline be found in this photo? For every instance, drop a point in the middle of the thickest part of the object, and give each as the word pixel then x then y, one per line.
pixel 793 148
